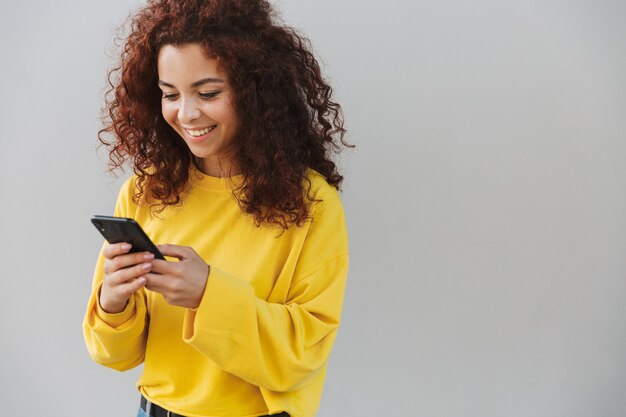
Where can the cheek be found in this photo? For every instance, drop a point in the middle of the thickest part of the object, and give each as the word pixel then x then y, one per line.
pixel 169 113
pixel 225 113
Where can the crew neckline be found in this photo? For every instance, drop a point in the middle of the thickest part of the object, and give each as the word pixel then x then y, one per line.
pixel 200 179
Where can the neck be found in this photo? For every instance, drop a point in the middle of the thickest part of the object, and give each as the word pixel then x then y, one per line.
pixel 219 168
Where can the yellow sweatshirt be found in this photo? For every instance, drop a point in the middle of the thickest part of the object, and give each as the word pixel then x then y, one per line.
pixel 260 339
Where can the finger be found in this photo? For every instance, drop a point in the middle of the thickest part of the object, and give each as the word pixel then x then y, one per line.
pixel 131 287
pixel 176 251
pixel 166 268
pixel 125 260
pixel 155 282
pixel 126 275
pixel 111 250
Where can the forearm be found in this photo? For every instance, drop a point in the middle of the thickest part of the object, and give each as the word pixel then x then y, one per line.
pixel 116 340
pixel 275 346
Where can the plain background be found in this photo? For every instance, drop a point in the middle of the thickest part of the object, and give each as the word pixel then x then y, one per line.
pixel 485 202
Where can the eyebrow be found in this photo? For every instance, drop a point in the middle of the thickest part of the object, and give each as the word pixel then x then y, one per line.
pixel 195 84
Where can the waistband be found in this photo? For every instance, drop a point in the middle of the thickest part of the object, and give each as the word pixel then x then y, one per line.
pixel 153 410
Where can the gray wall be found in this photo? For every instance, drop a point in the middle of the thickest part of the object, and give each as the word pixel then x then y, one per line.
pixel 486 205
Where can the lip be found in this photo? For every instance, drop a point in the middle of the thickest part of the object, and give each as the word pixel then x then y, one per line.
pixel 198 138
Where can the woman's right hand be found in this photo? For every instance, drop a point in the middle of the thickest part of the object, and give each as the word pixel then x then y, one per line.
pixel 123 275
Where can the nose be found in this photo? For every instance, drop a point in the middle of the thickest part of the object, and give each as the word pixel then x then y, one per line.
pixel 188 111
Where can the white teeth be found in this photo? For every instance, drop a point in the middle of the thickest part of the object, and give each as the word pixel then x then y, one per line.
pixel 200 132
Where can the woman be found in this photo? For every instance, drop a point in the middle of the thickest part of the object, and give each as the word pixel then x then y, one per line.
pixel 228 125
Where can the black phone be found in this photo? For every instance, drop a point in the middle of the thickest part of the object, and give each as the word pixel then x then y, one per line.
pixel 122 229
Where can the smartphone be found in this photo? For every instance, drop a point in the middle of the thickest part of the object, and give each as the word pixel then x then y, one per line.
pixel 122 229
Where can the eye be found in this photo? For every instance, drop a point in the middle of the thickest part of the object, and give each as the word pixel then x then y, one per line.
pixel 208 96
pixel 170 97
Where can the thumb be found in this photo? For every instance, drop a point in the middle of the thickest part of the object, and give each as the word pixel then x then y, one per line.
pixel 176 251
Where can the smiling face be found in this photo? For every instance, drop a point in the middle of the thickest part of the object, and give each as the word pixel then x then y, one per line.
pixel 197 103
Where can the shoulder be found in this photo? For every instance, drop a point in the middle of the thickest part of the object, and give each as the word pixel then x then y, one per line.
pixel 327 236
pixel 129 187
pixel 129 184
pixel 326 207
pixel 125 205
pixel 322 193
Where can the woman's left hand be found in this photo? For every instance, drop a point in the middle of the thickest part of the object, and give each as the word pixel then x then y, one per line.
pixel 182 283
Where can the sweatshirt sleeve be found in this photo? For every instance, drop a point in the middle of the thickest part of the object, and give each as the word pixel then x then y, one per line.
pixel 275 346
pixel 117 341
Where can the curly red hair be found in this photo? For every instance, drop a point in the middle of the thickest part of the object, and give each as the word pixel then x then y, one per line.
pixel 288 121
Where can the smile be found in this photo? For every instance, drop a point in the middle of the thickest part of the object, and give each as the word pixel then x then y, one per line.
pixel 200 132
